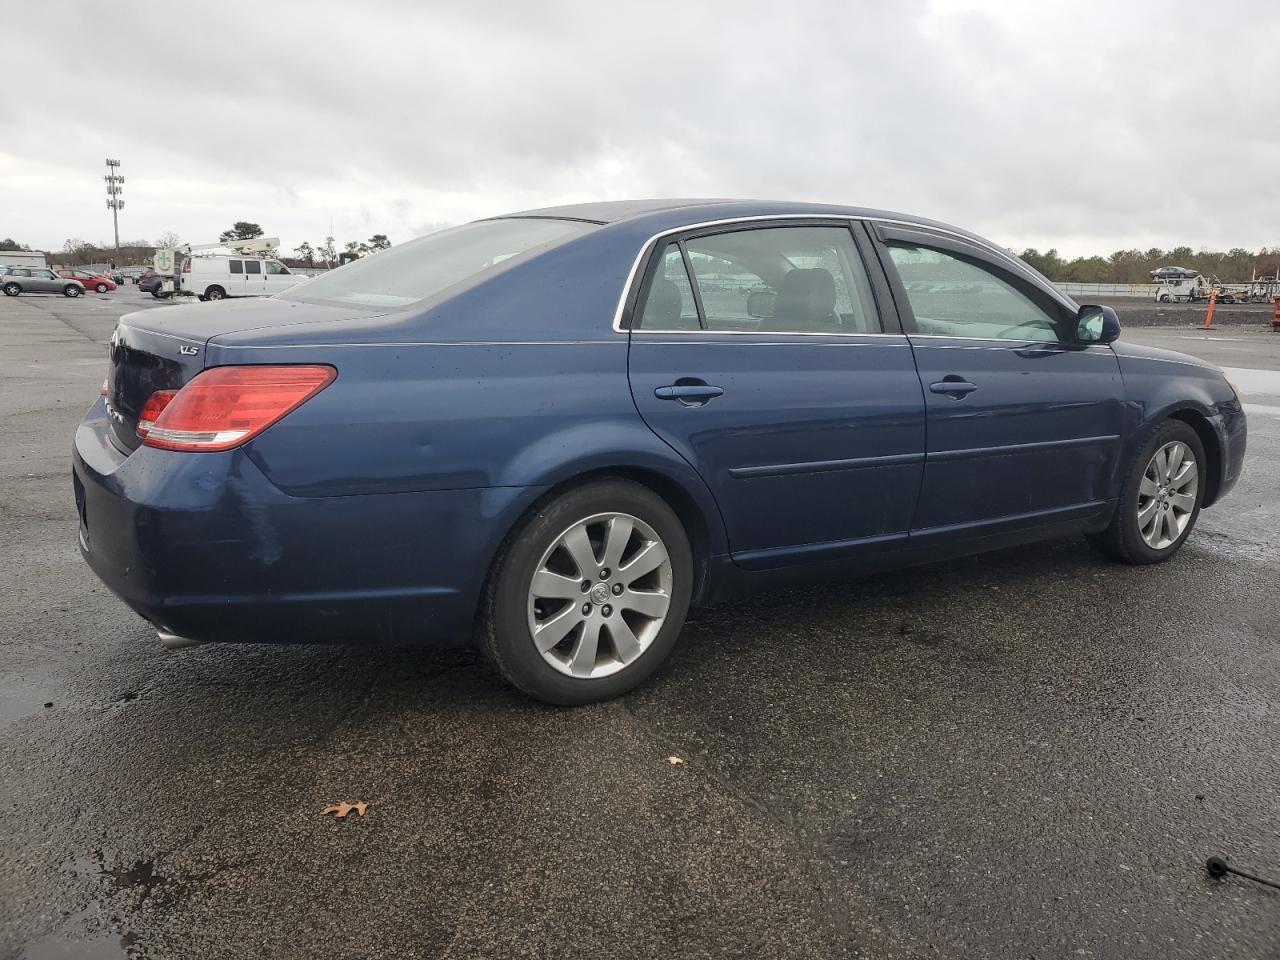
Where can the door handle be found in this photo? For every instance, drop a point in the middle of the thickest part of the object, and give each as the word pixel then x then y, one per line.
pixel 954 387
pixel 693 394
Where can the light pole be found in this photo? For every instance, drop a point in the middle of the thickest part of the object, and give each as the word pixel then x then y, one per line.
pixel 115 189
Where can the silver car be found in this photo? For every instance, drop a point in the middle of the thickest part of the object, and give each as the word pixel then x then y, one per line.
pixel 16 280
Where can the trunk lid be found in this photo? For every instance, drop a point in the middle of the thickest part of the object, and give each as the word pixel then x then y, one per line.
pixel 164 347
pixel 142 362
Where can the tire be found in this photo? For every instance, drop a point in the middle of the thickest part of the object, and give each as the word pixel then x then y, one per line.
pixel 1165 298
pixel 215 293
pixel 71 290
pixel 101 288
pixel 1127 538
pixel 12 289
pixel 631 643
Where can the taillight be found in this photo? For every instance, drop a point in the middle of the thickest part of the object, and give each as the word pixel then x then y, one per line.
pixel 105 386
pixel 186 266
pixel 223 407
pixel 152 409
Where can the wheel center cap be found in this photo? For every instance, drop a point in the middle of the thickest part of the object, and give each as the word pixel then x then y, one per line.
pixel 600 594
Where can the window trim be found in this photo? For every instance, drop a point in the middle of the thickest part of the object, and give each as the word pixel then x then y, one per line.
pixel 624 314
pixel 635 294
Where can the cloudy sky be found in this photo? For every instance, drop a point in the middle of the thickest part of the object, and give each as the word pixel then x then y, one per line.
pixel 1082 125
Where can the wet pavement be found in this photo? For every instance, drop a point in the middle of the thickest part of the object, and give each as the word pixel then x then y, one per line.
pixel 1027 754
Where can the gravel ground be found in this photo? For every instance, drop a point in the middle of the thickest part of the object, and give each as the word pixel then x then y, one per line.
pixel 1027 754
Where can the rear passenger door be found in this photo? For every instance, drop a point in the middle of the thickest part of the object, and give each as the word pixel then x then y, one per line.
pixel 768 357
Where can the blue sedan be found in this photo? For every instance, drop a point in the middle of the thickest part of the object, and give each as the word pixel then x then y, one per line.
pixel 552 433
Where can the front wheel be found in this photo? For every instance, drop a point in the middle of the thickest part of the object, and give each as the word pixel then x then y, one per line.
pixel 71 290
pixel 1160 500
pixel 12 289
pixel 589 594
pixel 101 288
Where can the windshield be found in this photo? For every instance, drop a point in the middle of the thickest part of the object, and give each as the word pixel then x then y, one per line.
pixel 422 268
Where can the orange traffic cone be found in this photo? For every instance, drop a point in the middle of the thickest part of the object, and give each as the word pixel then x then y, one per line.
pixel 1208 317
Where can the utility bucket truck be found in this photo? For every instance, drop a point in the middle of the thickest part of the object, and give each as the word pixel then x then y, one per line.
pixel 232 268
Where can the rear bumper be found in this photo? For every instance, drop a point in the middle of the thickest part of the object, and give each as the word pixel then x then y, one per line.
pixel 205 547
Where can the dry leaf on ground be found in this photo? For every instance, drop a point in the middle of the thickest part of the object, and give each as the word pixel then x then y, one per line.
pixel 342 809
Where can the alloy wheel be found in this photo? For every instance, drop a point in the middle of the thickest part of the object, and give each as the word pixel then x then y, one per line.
pixel 599 595
pixel 1167 495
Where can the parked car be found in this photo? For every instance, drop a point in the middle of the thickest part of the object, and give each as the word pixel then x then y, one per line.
pixel 219 277
pixel 151 282
pixel 19 280
pixel 90 281
pixel 556 431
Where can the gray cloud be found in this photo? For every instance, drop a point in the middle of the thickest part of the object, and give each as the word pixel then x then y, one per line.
pixel 1083 125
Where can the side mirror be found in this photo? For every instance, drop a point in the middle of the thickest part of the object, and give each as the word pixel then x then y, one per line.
pixel 1095 324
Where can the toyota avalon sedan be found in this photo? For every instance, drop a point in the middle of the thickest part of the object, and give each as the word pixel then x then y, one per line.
pixel 552 433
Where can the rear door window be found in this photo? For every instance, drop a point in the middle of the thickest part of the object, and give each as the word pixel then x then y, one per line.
pixel 236 266
pixel 807 279
pixel 253 266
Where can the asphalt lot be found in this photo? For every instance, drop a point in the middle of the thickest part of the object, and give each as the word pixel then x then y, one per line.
pixel 1028 754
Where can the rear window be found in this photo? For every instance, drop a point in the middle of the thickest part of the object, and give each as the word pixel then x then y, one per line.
pixel 424 267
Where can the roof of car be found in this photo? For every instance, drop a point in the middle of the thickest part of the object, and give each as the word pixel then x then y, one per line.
pixel 678 211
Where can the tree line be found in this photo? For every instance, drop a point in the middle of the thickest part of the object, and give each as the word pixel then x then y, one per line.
pixel 1134 266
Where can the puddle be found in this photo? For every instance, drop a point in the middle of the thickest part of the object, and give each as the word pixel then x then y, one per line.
pixel 65 945
pixel 54 947
pixel 19 698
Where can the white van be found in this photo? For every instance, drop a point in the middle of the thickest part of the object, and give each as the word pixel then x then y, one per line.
pixel 213 278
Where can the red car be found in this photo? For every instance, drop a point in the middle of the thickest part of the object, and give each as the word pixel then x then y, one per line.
pixel 91 281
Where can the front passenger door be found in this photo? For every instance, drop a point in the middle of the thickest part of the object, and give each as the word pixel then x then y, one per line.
pixel 46 281
pixel 1023 420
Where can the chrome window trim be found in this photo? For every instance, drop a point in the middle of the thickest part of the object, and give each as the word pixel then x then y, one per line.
pixel 834 218
pixel 762 333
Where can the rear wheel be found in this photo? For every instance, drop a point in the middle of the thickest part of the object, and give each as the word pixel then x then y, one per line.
pixel 72 290
pixel 1160 500
pixel 12 289
pixel 215 293
pixel 589 594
